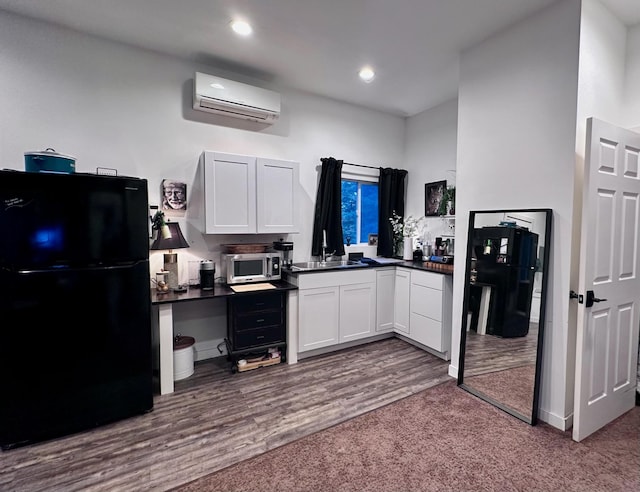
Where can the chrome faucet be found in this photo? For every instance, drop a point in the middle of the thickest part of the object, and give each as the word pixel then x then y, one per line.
pixel 324 247
pixel 326 255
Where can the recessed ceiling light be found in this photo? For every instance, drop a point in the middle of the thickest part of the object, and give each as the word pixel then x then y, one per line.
pixel 242 27
pixel 367 74
pixel 217 85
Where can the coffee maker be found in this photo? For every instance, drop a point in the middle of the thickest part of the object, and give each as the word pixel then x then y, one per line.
pixel 287 252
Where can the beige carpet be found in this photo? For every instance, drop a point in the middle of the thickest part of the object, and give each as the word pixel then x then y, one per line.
pixel 442 439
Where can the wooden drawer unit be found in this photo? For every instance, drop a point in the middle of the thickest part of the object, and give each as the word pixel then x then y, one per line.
pixel 249 339
pixel 251 321
pixel 256 321
pixel 258 302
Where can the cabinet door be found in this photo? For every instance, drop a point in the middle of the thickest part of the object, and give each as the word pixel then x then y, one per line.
pixel 230 193
pixel 318 317
pixel 277 195
pixel 385 283
pixel 357 311
pixel 401 301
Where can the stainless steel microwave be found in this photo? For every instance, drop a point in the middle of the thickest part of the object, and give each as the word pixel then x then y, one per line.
pixel 253 267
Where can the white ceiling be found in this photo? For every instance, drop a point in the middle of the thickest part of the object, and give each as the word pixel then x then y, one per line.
pixel 312 45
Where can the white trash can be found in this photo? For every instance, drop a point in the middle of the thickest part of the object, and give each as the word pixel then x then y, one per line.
pixel 183 351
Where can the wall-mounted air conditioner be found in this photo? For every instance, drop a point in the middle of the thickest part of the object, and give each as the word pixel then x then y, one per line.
pixel 217 95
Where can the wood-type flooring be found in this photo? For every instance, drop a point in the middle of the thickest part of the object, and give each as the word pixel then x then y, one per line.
pixel 216 418
pixel 503 369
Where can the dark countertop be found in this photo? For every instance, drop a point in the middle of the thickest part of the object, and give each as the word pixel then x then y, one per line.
pixel 219 290
pixel 426 266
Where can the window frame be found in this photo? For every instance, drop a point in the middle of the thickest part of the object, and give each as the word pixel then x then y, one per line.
pixel 362 175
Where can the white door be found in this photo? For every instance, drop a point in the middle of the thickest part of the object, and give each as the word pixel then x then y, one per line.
pixel 607 336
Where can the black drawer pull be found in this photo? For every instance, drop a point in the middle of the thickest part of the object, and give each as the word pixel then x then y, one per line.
pixel 259 337
pixel 260 320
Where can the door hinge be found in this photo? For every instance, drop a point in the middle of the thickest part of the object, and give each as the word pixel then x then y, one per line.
pixel 574 295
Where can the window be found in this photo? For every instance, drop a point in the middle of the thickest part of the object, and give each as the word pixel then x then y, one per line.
pixel 359 210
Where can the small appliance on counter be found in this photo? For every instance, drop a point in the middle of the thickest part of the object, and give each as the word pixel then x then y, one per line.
pixel 287 252
pixel 207 274
pixel 252 267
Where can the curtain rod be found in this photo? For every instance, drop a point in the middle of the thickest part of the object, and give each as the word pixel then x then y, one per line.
pixel 361 165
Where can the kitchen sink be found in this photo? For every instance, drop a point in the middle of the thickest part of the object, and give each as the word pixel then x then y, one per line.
pixel 324 265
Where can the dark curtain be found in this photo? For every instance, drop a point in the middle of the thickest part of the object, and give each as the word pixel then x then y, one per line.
pixel 328 213
pixel 390 198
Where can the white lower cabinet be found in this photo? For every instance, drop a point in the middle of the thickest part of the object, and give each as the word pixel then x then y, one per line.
pixel 335 307
pixel 385 288
pixel 318 317
pixel 357 311
pixel 401 300
pixel 430 310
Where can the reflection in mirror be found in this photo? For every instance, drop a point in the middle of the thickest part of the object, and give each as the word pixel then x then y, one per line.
pixel 504 305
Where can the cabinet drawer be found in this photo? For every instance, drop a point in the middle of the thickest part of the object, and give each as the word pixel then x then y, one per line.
pixel 427 331
pixel 259 336
pixel 427 279
pixel 254 303
pixel 250 321
pixel 426 302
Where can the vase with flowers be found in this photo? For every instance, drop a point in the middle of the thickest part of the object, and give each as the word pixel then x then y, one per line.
pixel 404 231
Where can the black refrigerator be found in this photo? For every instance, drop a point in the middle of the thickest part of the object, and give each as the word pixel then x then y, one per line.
pixel 75 309
pixel 506 260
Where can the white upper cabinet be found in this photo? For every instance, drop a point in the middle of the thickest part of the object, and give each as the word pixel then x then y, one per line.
pixel 239 194
pixel 277 196
pixel 229 193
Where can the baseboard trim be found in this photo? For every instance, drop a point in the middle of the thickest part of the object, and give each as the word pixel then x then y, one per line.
pixel 208 349
pixel 562 423
pixel 340 346
pixel 453 371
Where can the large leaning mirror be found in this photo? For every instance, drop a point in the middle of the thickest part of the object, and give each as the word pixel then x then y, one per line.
pixel 504 307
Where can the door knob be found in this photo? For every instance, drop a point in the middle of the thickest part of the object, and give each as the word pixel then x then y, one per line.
pixel 591 298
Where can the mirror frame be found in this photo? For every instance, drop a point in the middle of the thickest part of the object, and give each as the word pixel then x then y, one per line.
pixel 541 321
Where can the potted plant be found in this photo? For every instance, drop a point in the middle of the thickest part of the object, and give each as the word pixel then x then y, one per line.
pixel 448 203
pixel 404 231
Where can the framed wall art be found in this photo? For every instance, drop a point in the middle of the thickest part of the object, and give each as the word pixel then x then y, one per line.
pixel 174 197
pixel 433 196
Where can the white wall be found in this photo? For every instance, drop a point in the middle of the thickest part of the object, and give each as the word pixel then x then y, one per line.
pixel 430 155
pixel 516 141
pixel 115 106
pixel 601 94
pixel 632 82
